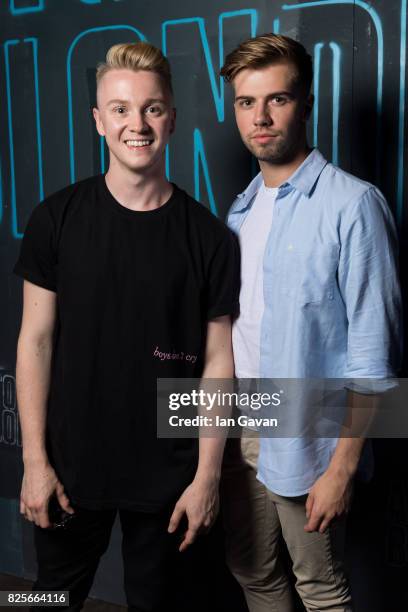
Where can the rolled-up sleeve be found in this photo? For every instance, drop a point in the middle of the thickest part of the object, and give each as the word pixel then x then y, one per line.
pixel 369 285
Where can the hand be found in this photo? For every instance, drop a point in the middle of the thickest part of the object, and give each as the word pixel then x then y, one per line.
pixel 40 482
pixel 200 503
pixel 329 498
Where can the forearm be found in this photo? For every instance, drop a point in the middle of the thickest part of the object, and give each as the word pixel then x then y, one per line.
pixel 33 380
pixel 211 449
pixel 360 412
pixel 346 456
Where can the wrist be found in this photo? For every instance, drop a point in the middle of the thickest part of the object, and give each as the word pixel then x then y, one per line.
pixel 208 477
pixel 38 459
pixel 345 471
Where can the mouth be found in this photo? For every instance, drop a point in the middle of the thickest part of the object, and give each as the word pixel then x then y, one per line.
pixel 138 143
pixel 264 137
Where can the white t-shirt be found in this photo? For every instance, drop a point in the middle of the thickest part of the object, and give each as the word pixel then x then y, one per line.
pixel 253 236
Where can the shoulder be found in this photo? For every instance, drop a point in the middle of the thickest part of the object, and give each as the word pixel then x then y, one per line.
pixel 347 190
pixel 58 200
pixel 47 218
pixel 357 207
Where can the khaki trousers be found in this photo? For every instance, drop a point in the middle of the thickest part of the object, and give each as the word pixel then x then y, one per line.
pixel 254 519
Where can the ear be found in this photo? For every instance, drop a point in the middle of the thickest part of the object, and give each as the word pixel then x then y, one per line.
pixel 173 120
pixel 98 121
pixel 309 106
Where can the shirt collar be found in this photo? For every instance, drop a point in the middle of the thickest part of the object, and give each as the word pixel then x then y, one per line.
pixel 303 179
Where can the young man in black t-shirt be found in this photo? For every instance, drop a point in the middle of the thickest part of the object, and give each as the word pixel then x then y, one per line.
pixel 120 270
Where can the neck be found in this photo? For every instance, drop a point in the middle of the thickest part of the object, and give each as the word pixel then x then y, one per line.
pixel 142 191
pixel 276 174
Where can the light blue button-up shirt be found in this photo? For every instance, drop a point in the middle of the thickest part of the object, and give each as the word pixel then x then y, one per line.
pixel 332 298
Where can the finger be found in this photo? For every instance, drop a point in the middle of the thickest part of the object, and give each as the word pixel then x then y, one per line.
pixel 22 507
pixel 314 522
pixel 64 502
pixel 189 538
pixel 29 515
pixel 309 505
pixel 34 514
pixel 175 519
pixel 208 523
pixel 42 519
pixel 324 524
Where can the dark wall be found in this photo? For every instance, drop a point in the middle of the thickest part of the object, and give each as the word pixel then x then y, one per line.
pixel 47 65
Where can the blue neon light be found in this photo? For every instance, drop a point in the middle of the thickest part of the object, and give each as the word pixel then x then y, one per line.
pixel 217 90
pixel 26 9
pixel 401 118
pixel 167 160
pixel 1 194
pixel 102 153
pixel 199 157
pixel 316 91
pixel 7 44
pixel 380 53
pixel 14 227
pixel 34 42
pixel 336 100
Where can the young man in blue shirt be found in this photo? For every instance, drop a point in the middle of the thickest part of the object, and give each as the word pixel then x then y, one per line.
pixel 319 299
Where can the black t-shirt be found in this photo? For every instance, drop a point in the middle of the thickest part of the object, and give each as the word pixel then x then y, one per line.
pixel 132 288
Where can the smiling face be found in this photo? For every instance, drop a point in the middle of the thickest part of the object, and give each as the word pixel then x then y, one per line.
pixel 136 116
pixel 271 112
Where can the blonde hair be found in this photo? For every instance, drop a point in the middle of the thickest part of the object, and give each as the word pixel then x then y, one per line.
pixel 136 56
pixel 266 50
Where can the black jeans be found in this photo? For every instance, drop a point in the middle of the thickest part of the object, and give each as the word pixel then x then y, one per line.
pixel 155 572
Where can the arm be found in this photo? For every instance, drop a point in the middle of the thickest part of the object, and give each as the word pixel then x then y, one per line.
pixel 368 283
pixel 200 500
pixel 34 353
pixel 330 496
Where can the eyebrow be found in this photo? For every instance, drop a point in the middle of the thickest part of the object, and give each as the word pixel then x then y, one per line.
pixel 116 101
pixel 161 100
pixel 147 102
pixel 272 95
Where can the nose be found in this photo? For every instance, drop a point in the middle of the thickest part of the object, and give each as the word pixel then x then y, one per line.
pixel 262 116
pixel 138 122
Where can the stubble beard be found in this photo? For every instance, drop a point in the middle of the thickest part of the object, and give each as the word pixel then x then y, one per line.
pixel 281 151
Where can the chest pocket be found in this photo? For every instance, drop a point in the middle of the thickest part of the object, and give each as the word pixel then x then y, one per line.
pixel 309 276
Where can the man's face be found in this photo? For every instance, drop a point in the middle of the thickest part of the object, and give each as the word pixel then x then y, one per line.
pixel 136 116
pixel 271 112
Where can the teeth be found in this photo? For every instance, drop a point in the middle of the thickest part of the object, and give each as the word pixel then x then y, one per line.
pixel 138 143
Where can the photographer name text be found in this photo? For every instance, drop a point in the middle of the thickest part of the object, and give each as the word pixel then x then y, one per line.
pixel 242 420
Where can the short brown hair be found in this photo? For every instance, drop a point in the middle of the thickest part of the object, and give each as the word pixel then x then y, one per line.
pixel 267 49
pixel 136 56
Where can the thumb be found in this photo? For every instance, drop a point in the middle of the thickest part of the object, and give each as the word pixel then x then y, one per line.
pixel 309 504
